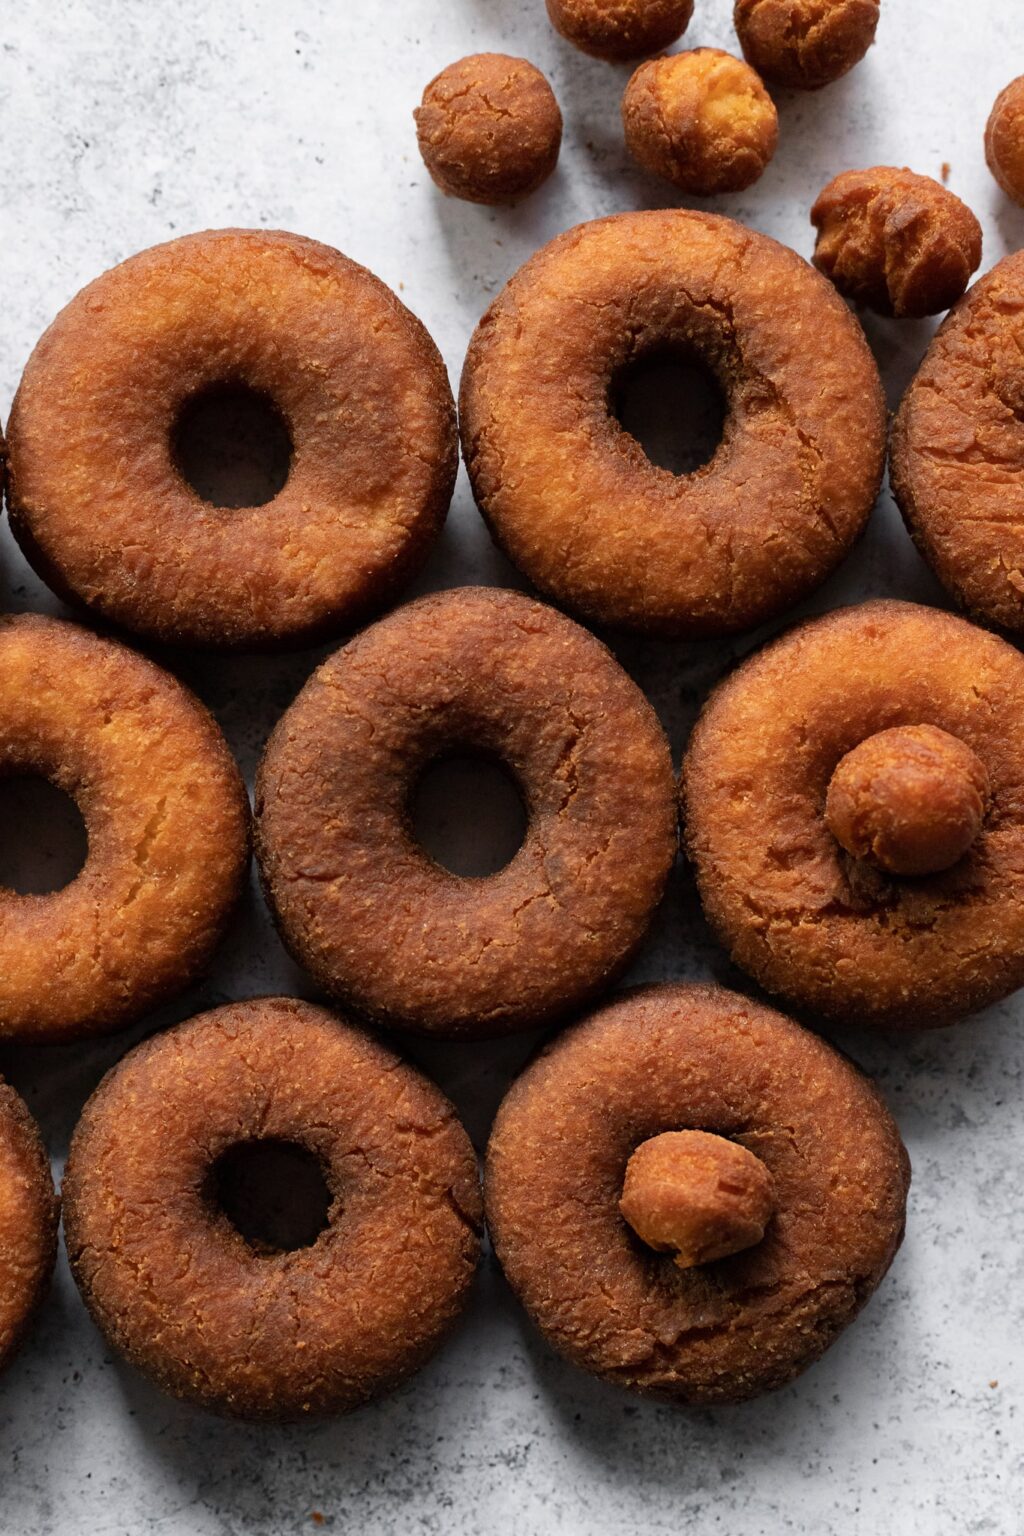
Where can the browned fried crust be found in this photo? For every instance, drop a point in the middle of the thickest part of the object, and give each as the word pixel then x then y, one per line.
pixel 620 29
pixel 1004 140
pixel 805 43
pixel 28 1221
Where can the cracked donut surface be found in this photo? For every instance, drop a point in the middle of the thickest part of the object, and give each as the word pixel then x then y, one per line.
pixel 684 1058
pixel 957 455
pixel 167 820
pixel 360 904
pixel 28 1221
pixel 620 29
pixel 805 44
pixel 175 1287
pixel 832 933
pixel 572 497
pixel 96 497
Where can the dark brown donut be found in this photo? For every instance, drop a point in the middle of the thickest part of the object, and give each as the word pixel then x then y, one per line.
pixel 360 904
pixel 573 499
pixel 620 29
pixel 96 498
pixel 167 820
pixel 837 934
pixel 678 1058
pixel 28 1221
pixel 176 1288
pixel 805 43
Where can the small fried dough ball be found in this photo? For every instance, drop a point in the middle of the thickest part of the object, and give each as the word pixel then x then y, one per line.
pixel 697 1196
pixel 1004 140
pixel 703 120
pixel 805 43
pixel 897 242
pixel 620 29
pixel 489 128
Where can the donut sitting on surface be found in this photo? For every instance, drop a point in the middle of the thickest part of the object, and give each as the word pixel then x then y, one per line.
pixel 1004 140
pixel 805 43
pixel 620 29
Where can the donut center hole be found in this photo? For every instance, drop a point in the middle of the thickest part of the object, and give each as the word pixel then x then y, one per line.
pixel 273 1192
pixel 674 407
pixel 232 446
pixel 43 841
pixel 468 815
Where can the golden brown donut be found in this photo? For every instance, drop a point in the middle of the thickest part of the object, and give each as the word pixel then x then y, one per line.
pixel 620 29
pixel 900 243
pixel 361 905
pixel 96 497
pixel 573 499
pixel 701 119
pixel 683 1059
pixel 837 934
pixel 28 1221
pixel 1004 140
pixel 489 128
pixel 805 43
pixel 957 453
pixel 243 1330
pixel 167 820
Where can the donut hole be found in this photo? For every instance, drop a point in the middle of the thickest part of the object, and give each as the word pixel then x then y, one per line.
pixel 232 445
pixel 43 839
pixel 672 404
pixel 273 1192
pixel 467 814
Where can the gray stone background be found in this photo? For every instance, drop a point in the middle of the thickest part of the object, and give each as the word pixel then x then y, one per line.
pixel 129 121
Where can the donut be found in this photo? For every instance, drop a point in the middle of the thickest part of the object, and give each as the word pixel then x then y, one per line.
pixel 617 30
pixel 97 497
pixel 725 1195
pixel 28 1221
pixel 805 43
pixel 249 1330
pixel 1004 140
pixel 854 812
pixel 489 128
pixel 902 244
pixel 167 821
pixel 957 454
pixel 359 904
pixel 573 499
pixel 702 120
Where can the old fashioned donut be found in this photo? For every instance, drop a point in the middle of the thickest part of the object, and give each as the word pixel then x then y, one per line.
pixel 957 456
pixel 573 499
pixel 167 820
pixel 97 499
pixel 247 1330
pixel 724 1195
pixel 360 904
pixel 854 810
pixel 28 1221
pixel 620 29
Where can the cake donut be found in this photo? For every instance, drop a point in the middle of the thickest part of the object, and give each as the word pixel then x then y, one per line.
pixel 167 821
pixel 573 499
pixel 805 44
pixel 854 810
pixel 28 1221
pixel 360 904
pixel 957 455
pixel 97 497
pixel 728 1192
pixel 249 1330
pixel 618 30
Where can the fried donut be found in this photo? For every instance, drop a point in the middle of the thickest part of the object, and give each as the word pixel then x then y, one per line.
pixel 28 1221
pixel 781 1169
pixel 167 820
pixel 98 501
pixel 1004 140
pixel 360 904
pixel 573 499
pixel 805 43
pixel 252 1331
pixel 620 29
pixel 854 811
pixel 957 453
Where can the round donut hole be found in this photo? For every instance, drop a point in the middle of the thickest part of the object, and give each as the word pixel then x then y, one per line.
pixel 273 1192
pixel 468 815
pixel 675 408
pixel 232 445
pixel 43 840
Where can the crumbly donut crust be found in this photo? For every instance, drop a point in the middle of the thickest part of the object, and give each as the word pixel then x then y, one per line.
pixel 28 1221
pixel 805 43
pixel 669 1058
pixel 618 30
pixel 177 1289
pixel 1004 140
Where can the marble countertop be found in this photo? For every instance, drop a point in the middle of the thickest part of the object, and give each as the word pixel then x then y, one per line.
pixel 129 121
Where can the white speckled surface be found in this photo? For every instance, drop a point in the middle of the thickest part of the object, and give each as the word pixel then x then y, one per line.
pixel 128 121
